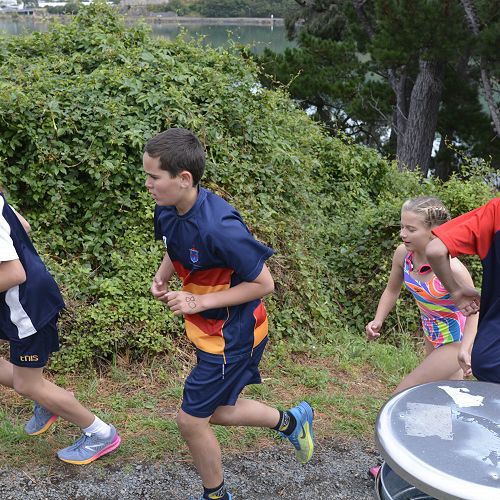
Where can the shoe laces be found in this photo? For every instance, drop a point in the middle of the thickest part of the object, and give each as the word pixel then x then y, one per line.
pixel 40 412
pixel 80 441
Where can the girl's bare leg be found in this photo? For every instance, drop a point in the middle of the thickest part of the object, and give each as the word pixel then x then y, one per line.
pixel 439 364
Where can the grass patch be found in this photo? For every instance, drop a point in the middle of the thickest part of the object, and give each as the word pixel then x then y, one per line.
pixel 11 433
pixel 346 380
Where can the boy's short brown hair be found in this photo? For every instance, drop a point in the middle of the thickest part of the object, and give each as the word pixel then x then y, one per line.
pixel 178 149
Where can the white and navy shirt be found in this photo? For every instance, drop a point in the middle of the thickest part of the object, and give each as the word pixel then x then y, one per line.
pixel 28 307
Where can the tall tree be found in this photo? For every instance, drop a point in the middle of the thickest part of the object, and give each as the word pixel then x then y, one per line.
pixel 474 26
pixel 413 66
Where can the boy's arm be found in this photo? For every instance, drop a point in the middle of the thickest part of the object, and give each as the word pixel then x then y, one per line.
pixel 161 279
pixel 465 296
pixel 189 303
pixel 464 354
pixel 11 274
pixel 22 220
pixel 462 275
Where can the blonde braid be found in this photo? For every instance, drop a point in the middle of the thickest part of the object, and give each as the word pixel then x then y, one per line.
pixel 432 210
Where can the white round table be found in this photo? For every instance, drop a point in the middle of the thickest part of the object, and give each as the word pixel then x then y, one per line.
pixel 444 438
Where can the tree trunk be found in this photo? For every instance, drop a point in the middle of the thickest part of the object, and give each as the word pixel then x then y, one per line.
pixel 415 147
pixel 442 165
pixel 397 77
pixel 402 89
pixel 359 7
pixel 473 22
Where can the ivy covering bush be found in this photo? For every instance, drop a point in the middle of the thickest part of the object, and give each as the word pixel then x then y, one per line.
pixel 77 104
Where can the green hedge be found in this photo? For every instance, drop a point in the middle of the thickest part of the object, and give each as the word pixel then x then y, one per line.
pixel 77 104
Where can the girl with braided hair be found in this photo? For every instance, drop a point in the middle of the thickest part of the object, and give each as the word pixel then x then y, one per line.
pixel 442 322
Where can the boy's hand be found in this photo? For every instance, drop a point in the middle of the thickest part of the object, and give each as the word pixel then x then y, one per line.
pixel 464 360
pixel 184 303
pixel 373 329
pixel 467 300
pixel 159 290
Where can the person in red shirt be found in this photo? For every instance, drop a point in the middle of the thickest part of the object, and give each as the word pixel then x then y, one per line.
pixel 474 233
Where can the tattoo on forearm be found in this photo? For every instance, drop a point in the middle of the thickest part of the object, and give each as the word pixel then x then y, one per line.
pixel 191 300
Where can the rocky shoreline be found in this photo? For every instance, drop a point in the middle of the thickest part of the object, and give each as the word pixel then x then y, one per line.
pixel 244 21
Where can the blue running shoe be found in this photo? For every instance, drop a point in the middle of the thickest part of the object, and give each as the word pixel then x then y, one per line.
pixel 41 420
pixel 89 447
pixel 302 436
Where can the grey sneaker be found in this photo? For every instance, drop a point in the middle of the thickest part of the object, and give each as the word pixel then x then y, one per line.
pixel 41 420
pixel 89 447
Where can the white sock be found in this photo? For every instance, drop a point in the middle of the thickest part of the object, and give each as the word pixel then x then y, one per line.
pixel 99 428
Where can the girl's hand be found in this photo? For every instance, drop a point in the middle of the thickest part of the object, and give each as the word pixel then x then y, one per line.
pixel 464 360
pixel 184 303
pixel 373 329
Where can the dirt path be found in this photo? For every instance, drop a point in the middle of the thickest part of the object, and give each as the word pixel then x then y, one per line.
pixel 337 471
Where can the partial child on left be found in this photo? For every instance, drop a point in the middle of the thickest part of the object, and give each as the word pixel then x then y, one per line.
pixel 30 303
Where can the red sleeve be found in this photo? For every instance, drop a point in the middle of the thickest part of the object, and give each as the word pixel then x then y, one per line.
pixel 471 233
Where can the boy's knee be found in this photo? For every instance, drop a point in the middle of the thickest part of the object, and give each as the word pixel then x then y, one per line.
pixel 184 422
pixel 189 425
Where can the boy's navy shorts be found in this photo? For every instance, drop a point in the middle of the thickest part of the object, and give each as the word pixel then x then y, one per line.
pixel 34 351
pixel 210 385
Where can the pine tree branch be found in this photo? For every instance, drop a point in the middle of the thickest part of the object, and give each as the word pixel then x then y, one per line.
pixel 474 26
pixel 397 82
pixel 363 18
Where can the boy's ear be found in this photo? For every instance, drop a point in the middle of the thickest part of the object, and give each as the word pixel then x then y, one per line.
pixel 186 179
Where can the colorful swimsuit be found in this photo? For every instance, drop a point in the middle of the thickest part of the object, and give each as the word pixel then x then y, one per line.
pixel 442 322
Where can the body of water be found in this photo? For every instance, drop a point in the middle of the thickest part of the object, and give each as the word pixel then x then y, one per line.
pixel 15 27
pixel 258 37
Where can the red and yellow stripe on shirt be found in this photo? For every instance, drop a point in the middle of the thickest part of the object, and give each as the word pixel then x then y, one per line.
pixel 261 324
pixel 208 334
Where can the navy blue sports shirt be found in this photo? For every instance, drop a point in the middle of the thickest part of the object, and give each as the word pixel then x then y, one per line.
pixel 28 307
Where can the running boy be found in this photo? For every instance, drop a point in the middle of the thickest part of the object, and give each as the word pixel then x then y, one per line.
pixel 30 303
pixel 474 233
pixel 224 276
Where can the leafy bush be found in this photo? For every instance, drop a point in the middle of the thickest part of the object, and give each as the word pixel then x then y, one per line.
pixel 77 104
